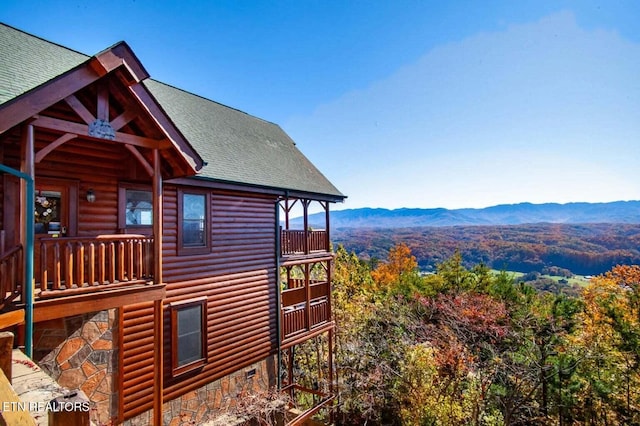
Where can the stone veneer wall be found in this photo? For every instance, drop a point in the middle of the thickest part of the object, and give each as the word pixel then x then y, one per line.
pixel 80 353
pixel 214 399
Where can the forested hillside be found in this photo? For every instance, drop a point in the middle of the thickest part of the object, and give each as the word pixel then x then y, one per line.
pixel 585 249
pixel 465 346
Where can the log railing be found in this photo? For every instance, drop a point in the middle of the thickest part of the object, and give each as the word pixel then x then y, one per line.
pixel 304 308
pixel 67 265
pixel 303 242
pixel 11 275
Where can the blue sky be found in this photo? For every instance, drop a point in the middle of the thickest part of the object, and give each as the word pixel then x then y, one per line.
pixel 403 103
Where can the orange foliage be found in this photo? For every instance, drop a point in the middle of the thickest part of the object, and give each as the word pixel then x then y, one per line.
pixel 401 263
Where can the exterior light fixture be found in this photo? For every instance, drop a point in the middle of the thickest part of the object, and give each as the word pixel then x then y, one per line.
pixel 91 196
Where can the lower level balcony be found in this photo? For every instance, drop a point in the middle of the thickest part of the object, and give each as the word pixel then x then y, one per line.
pixel 306 308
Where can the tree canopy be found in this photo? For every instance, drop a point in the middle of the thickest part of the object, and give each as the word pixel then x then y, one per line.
pixel 465 345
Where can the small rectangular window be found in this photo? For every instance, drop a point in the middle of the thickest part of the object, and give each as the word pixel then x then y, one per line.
pixel 188 335
pixel 193 214
pixel 135 208
pixel 193 222
pixel 139 206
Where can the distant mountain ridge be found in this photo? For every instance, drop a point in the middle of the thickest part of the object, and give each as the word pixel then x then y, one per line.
pixel 504 214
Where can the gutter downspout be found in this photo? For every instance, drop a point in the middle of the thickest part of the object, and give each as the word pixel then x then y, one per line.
pixel 278 298
pixel 28 254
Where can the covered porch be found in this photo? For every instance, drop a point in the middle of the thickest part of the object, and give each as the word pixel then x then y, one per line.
pixel 77 275
pixel 74 146
pixel 66 147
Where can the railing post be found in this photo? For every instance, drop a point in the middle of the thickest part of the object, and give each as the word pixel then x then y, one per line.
pixel 129 256
pixel 68 259
pixel 102 263
pixel 111 256
pixel 120 262
pixel 57 273
pixel 80 262
pixel 70 410
pixel 307 283
pixel 92 264
pixel 44 273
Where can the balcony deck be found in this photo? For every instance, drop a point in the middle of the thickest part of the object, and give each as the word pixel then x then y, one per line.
pixel 301 242
pixel 64 266
pixel 79 275
pixel 306 310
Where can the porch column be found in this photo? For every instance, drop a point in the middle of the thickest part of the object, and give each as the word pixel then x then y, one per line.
pixel 157 305
pixel 327 225
pixel 26 227
pixel 305 210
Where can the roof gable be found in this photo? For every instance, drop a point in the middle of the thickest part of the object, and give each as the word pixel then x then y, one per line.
pixel 41 86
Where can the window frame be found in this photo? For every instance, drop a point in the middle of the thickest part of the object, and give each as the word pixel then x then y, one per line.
pixel 187 249
pixel 122 208
pixel 174 308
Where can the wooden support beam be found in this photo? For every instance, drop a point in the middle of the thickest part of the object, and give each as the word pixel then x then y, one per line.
pixel 11 318
pixel 158 383
pixel 60 307
pixel 80 129
pixel 123 119
pixel 79 108
pixel 103 102
pixel 13 113
pixel 141 159
pixel 53 145
pixel 118 57
pixel 149 104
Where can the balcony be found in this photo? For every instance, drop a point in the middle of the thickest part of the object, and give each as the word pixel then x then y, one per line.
pixel 74 275
pixel 70 265
pixel 300 242
pixel 305 308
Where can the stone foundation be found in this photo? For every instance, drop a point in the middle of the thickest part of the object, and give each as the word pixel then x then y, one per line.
pixel 218 398
pixel 80 353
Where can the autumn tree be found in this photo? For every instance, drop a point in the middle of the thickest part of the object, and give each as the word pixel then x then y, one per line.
pixel 399 274
pixel 609 347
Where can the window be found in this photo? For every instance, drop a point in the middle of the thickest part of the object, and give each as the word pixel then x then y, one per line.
pixel 188 335
pixel 139 208
pixel 193 222
pixel 135 208
pixel 47 212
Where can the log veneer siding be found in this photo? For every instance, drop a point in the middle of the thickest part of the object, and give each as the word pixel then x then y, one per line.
pixel 238 277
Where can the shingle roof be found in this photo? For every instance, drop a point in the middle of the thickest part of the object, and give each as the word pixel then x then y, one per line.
pixel 237 147
pixel 27 62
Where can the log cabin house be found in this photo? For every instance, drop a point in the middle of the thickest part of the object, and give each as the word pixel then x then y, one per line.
pixel 154 225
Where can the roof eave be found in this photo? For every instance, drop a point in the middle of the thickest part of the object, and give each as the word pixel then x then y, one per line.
pixel 263 189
